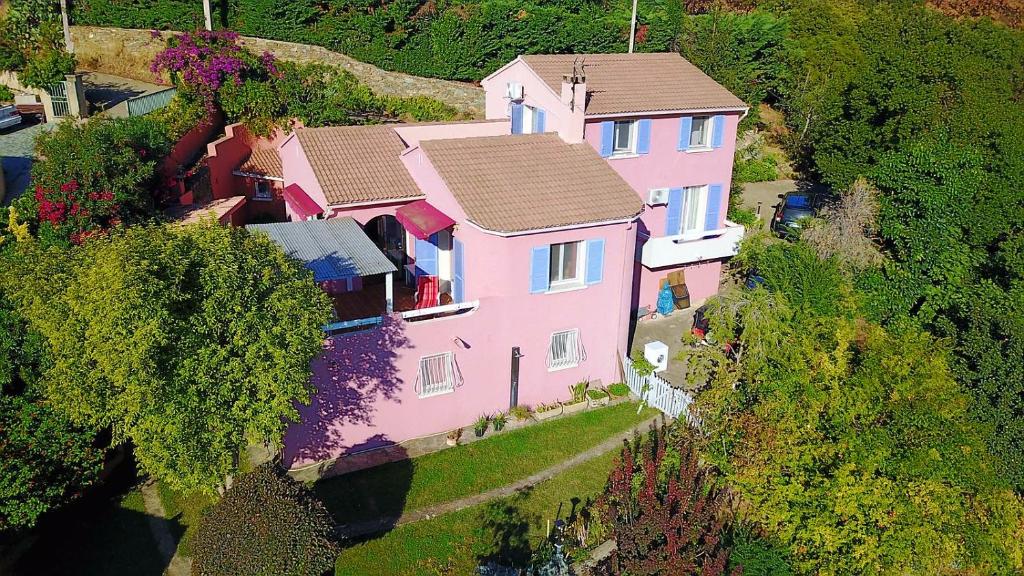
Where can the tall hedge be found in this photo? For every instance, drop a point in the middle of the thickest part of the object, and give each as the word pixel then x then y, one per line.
pixel 461 41
pixel 266 524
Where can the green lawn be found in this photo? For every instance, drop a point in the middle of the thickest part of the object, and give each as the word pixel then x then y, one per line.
pixel 186 511
pixel 458 472
pixel 510 526
pixel 98 537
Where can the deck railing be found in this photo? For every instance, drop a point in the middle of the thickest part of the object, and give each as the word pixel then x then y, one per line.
pixel 418 315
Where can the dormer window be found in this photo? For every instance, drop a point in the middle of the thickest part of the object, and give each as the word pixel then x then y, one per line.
pixel 700 132
pixel 624 141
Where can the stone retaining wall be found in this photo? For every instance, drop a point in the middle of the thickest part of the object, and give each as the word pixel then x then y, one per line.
pixel 127 52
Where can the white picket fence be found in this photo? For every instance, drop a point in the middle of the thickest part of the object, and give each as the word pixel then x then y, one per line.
pixel 655 391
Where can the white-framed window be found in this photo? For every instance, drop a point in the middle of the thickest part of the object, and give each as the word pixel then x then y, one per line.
pixel 262 191
pixel 437 375
pixel 695 206
pixel 528 114
pixel 624 138
pixel 565 350
pixel 566 266
pixel 700 132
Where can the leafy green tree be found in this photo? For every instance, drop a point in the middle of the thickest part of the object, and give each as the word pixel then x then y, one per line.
pixel 47 460
pixel 266 523
pixel 190 341
pixel 853 445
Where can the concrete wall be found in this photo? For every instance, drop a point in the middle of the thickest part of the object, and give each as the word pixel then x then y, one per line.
pixel 189 147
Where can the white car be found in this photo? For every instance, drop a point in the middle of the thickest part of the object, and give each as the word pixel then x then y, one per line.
pixel 9 116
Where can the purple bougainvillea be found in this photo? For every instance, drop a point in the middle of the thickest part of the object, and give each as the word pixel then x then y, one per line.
pixel 204 61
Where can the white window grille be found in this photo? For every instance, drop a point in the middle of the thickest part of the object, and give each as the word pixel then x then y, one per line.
pixel 438 374
pixel 565 350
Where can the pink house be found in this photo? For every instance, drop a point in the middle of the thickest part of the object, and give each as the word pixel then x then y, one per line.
pixel 478 265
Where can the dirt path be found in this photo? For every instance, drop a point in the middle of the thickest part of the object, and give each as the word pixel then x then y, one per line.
pixel 385 523
pixel 165 542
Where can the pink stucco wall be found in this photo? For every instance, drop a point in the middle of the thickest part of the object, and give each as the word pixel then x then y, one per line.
pixel 297 170
pixel 412 134
pixel 366 380
pixel 536 93
pixel 666 167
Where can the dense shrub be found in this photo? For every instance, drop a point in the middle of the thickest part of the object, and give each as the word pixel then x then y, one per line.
pixel 266 524
pixel 6 95
pixel 759 169
pixel 47 67
pixel 665 512
pixel 94 176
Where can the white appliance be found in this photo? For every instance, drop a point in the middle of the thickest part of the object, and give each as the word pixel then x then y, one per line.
pixel 657 353
pixel 657 196
pixel 514 91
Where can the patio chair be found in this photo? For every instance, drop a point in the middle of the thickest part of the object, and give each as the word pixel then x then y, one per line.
pixel 676 281
pixel 426 291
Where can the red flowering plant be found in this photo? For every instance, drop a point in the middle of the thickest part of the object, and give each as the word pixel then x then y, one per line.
pixel 202 62
pixel 95 176
pixel 665 511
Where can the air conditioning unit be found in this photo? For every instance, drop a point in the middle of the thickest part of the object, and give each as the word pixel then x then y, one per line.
pixel 657 196
pixel 514 91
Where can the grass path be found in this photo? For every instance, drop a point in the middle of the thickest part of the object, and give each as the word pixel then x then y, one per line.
pixel 166 543
pixel 408 517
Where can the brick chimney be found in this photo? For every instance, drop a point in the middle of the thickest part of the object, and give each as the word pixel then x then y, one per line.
pixel 574 98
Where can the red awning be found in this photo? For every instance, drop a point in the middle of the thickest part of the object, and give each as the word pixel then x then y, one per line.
pixel 300 202
pixel 422 220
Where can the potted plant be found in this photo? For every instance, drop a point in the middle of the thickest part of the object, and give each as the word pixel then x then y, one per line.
pixel 480 426
pixel 545 411
pixel 618 390
pixel 597 397
pixel 453 437
pixel 521 412
pixel 579 398
pixel 499 421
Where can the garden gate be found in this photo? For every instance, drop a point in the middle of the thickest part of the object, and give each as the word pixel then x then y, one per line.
pixel 655 391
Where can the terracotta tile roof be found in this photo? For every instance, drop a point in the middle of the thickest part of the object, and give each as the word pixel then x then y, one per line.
pixel 262 161
pixel 530 182
pixel 626 83
pixel 358 163
pixel 218 209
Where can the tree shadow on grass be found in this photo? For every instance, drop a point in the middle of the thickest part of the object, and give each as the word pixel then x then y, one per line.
pixel 502 534
pixel 105 533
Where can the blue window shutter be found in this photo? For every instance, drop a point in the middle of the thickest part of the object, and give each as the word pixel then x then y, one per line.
pixel 685 124
pixel 607 138
pixel 674 216
pixel 539 264
pixel 458 271
pixel 717 131
pixel 714 206
pixel 595 261
pixel 539 118
pixel 643 136
pixel 426 256
pixel 517 118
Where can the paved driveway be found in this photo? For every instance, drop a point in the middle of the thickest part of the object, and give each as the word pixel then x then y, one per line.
pixel 107 94
pixel 17 152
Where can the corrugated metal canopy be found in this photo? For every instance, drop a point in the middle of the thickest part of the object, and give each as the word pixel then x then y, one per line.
pixel 333 249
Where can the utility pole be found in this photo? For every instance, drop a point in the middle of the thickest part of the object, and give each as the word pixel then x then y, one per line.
pixel 206 13
pixel 69 46
pixel 632 28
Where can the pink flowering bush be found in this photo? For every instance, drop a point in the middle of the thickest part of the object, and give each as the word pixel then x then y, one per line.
pixel 95 176
pixel 201 63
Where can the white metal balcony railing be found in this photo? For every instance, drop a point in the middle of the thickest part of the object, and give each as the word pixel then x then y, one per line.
pixel 661 251
pixel 417 315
